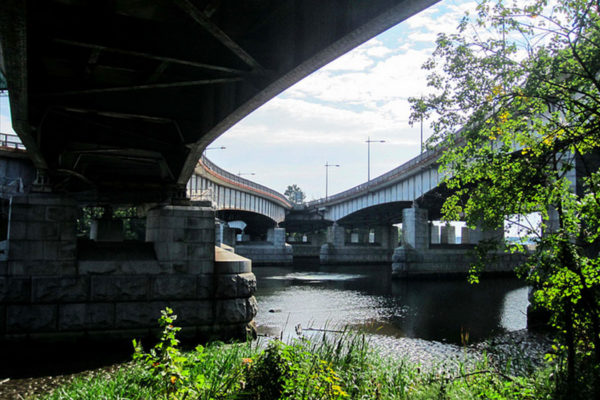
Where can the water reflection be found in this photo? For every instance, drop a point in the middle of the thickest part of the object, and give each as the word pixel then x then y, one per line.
pixel 365 298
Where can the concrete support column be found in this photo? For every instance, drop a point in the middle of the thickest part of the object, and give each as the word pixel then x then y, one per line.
pixel 336 235
pixel 465 235
pixel 387 236
pixel 479 234
pixel 435 233
pixel 415 229
pixel 183 237
pixel 279 237
pixel 448 235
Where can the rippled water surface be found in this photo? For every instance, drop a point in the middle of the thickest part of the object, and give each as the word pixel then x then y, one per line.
pixel 366 299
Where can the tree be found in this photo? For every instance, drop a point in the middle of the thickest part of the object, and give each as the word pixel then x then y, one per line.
pixel 294 194
pixel 516 102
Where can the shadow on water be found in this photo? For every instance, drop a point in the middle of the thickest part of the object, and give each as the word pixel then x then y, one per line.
pixel 367 299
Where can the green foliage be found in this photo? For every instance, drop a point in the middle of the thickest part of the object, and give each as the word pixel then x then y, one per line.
pixel 345 367
pixel 294 194
pixel 134 227
pixel 515 103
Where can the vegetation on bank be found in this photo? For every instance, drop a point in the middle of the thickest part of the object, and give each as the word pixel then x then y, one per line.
pixel 342 368
pixel 516 104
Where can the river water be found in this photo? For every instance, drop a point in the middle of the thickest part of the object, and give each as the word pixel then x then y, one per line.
pixel 432 314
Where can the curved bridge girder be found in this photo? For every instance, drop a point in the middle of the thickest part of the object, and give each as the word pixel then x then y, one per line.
pixel 127 94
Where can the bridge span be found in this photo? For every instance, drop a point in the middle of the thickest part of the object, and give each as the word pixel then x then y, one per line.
pixel 115 103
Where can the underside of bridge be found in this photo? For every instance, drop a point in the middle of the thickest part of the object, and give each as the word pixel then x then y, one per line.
pixel 257 225
pixel 117 99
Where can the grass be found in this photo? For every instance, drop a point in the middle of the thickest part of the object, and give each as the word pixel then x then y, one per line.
pixel 340 367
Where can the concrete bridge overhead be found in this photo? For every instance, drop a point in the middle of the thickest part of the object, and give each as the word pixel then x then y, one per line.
pixel 381 200
pixel 119 98
pixel 235 197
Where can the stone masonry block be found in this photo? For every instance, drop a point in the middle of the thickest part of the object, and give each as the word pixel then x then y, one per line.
pixel 235 285
pixel 200 251
pixel 17 290
pixel 44 267
pixel 82 316
pixel 170 287
pixel 140 267
pixel 205 286
pixel 98 267
pixel 59 289
pixel 234 310
pixel 190 313
pixel 17 230
pixel 43 231
pixel 67 250
pixel 68 231
pixel 31 318
pixel 138 314
pixel 200 267
pixel 119 288
pixel 26 250
pixel 51 249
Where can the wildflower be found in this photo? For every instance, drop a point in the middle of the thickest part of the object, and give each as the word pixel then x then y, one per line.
pixel 173 379
pixel 246 361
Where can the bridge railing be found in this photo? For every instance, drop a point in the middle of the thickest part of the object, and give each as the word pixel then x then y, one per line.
pixel 11 141
pixel 413 164
pixel 242 181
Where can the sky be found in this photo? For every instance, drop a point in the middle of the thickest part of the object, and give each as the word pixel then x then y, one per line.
pixel 328 116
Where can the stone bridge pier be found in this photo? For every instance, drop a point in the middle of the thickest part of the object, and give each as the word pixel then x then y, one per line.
pixel 273 251
pixel 429 250
pixel 359 245
pixel 56 286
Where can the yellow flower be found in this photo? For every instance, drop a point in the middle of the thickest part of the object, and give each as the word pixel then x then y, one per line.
pixel 246 361
pixel 173 379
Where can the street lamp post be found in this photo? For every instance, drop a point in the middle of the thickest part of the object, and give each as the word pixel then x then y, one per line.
pixel 213 148
pixel 327 165
pixel 369 141
pixel 245 173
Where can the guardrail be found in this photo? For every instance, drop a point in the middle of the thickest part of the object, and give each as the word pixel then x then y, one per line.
pixel 242 182
pixel 413 164
pixel 11 141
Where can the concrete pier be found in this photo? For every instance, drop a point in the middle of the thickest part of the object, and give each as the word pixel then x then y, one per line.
pixel 424 253
pixel 345 248
pixel 56 287
pixel 274 251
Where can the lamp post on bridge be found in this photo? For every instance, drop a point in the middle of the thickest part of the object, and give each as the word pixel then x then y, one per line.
pixel 369 141
pixel 327 165
pixel 213 148
pixel 245 173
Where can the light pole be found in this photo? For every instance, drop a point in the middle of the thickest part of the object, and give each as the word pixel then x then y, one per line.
pixel 213 148
pixel 327 165
pixel 369 141
pixel 245 173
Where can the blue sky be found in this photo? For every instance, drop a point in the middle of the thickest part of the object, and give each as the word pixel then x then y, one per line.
pixel 328 116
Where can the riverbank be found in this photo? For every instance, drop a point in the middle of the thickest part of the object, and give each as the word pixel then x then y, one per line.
pixel 421 361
